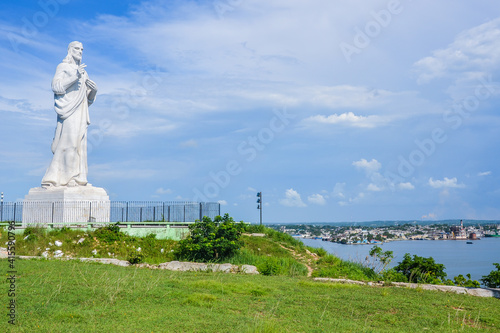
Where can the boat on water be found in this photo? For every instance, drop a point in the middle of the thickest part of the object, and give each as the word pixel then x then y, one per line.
pixel 470 243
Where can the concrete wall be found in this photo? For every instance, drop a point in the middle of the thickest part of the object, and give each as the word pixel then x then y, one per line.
pixel 163 230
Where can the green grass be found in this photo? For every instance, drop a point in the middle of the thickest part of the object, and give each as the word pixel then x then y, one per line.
pixel 268 256
pixel 71 296
pixel 331 266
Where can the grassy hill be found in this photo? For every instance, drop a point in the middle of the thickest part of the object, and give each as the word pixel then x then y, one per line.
pixel 73 296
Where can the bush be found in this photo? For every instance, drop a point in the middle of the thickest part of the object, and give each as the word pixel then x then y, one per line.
pixel 421 270
pixel 462 282
pixel 109 233
pixel 391 275
pixel 34 233
pixel 210 240
pixel 135 257
pixel 269 266
pixel 492 280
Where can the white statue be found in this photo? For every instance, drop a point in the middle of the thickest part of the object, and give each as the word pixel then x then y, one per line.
pixel 73 93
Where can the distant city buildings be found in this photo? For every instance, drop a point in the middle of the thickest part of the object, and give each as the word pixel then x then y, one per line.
pixel 377 234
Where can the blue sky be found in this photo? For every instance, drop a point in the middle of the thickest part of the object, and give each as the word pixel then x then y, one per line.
pixel 335 110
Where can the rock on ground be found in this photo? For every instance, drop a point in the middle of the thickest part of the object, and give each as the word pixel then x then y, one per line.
pixel 117 262
pixel 481 292
pixel 249 269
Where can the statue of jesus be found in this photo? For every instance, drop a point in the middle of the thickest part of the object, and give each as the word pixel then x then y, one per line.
pixel 73 93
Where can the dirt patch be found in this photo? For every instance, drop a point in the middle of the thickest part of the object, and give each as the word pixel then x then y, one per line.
pixel 304 260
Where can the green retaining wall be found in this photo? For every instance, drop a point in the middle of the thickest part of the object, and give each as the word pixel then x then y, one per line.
pixel 163 230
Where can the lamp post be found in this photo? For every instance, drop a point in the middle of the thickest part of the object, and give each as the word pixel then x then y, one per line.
pixel 1 207
pixel 259 206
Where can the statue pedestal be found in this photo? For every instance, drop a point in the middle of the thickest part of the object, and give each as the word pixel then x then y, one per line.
pixel 65 205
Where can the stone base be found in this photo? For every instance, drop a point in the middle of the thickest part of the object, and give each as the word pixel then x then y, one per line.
pixel 65 205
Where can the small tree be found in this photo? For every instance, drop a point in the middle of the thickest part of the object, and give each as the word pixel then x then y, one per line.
pixel 211 240
pixel 468 283
pixel 381 259
pixel 421 270
pixel 492 280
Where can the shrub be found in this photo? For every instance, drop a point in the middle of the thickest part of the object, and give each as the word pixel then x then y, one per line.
pixel 462 282
pixel 135 257
pixel 109 233
pixel 34 233
pixel 269 266
pixel 392 275
pixel 492 280
pixel 210 240
pixel 421 270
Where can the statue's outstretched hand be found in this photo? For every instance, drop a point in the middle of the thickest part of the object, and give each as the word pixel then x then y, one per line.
pixel 91 84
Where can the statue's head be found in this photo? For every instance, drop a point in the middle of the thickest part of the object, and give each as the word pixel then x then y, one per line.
pixel 75 50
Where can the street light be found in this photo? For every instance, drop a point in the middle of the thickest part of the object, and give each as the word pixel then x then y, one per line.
pixel 259 206
pixel 1 207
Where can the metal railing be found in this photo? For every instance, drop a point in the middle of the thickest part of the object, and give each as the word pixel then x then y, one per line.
pixel 119 211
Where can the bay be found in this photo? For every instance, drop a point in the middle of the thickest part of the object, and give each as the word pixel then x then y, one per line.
pixel 458 257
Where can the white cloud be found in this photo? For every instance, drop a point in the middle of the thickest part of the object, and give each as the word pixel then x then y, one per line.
pixel 476 49
pixel 292 199
pixel 347 96
pixel 317 199
pixel 161 190
pixel 356 199
pixel 349 119
pixel 373 188
pixel 406 186
pixel 482 174
pixel 445 183
pixel 369 167
pixel 431 216
pixel 222 202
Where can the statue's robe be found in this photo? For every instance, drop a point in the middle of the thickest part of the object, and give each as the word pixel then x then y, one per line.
pixel 70 140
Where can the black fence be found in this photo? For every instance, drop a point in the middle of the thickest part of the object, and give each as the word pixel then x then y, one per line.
pixel 119 211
